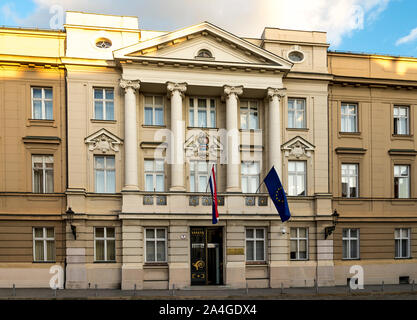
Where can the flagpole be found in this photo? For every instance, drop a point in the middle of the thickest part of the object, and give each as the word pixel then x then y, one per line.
pixel 208 181
pixel 259 186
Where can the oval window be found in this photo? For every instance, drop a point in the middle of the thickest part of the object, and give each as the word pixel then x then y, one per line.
pixel 296 56
pixel 103 43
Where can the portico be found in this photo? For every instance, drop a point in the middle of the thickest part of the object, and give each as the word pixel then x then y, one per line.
pixel 184 102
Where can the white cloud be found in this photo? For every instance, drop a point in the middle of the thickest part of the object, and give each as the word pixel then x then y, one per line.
pixel 7 12
pixel 408 38
pixel 340 18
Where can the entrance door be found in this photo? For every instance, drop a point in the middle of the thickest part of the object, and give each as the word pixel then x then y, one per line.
pixel 206 256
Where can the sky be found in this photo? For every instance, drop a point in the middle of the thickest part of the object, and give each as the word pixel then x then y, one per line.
pixel 371 26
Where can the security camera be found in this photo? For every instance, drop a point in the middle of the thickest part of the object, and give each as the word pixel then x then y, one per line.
pixel 283 230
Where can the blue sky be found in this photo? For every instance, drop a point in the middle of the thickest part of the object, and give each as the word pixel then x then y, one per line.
pixel 372 26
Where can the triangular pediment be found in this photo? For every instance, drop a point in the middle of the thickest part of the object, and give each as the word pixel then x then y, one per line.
pixel 297 147
pixel 185 44
pixel 104 141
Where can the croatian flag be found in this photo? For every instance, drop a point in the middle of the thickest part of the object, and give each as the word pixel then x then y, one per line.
pixel 213 189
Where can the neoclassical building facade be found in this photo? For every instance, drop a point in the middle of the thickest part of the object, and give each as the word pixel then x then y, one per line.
pixel 146 115
pixel 150 113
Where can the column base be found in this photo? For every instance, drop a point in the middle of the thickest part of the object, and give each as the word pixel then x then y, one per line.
pixel 177 188
pixel 236 275
pixel 132 274
pixel 179 275
pixel 130 188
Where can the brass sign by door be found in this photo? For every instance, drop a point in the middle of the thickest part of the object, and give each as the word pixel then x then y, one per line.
pixel 235 251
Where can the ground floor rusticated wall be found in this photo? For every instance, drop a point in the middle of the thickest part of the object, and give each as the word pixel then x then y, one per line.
pixel 229 260
pixel 17 264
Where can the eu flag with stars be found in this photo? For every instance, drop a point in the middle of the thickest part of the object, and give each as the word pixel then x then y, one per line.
pixel 277 194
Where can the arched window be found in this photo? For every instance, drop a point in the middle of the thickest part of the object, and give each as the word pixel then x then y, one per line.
pixel 204 53
pixel 103 43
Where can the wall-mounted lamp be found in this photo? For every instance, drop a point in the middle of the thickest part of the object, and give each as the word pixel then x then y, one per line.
pixel 329 230
pixel 70 215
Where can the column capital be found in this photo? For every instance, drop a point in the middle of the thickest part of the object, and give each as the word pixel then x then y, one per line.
pixel 229 90
pixel 279 92
pixel 126 84
pixel 174 86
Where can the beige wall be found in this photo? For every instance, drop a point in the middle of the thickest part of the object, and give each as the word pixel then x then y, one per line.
pixel 21 137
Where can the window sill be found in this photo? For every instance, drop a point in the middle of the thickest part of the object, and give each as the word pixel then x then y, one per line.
pixel 256 263
pixel 402 137
pixel 350 134
pixel 101 262
pixel 297 129
pixel 407 258
pixel 45 262
pixel 206 128
pixel 155 264
pixel 103 121
pixel 300 260
pixel 250 130
pixel 41 123
pixel 350 259
pixel 153 126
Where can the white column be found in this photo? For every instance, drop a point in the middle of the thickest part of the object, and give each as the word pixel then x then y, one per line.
pixel 131 136
pixel 274 128
pixel 233 137
pixel 176 91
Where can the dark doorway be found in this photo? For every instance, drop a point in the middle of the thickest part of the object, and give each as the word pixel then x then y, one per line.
pixel 206 256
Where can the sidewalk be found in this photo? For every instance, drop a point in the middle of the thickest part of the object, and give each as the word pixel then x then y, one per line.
pixel 397 292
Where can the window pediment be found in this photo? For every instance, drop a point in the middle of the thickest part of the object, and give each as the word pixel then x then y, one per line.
pixel 103 141
pixel 298 148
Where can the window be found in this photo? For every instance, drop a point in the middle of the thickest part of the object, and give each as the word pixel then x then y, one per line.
pixel 42 103
pixel 154 111
pixel 43 244
pixel 104 168
pixel 103 104
pixel 297 178
pixel 249 115
pixel 103 43
pixel 296 56
pixel 401 120
pixel 350 181
pixel 401 181
pixel 350 239
pixel 296 113
pixel 299 244
pixel 154 175
pixel 349 116
pixel 199 175
pixel 402 243
pixel 104 244
pixel 156 244
pixel 202 113
pixel 250 176
pixel 255 244
pixel 43 173
pixel 204 53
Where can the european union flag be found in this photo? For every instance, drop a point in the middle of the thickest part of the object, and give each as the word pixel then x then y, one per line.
pixel 277 194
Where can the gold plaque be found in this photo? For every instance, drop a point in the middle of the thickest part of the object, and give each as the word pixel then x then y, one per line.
pixel 235 251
